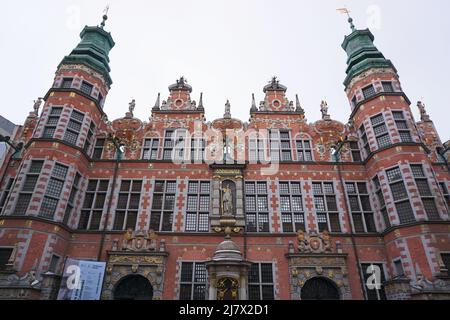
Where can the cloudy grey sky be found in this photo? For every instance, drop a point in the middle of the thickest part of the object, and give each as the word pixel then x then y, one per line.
pixel 227 49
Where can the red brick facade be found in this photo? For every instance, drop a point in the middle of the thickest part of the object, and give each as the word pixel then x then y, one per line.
pixel 417 232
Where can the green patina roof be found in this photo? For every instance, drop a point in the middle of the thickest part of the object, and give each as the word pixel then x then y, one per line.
pixel 362 54
pixel 93 50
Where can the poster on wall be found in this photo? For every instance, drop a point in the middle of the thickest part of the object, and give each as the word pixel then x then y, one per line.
pixel 82 280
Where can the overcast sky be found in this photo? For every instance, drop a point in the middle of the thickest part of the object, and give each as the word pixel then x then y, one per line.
pixel 226 49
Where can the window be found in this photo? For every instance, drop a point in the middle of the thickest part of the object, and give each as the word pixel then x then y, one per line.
pixel 257 148
pixel 387 86
pixel 89 137
pixel 128 205
pixel 365 141
pixel 257 207
pixel 197 210
pixel 150 150
pixel 368 92
pixel 304 150
pixel 382 203
pixel 74 127
pixel 28 187
pixel 193 281
pixel 180 138
pixel 98 149
pixel 86 88
pixel 381 131
pixel 362 213
pixel 260 282
pixel 292 214
pixel 168 145
pixel 197 150
pixel 402 126
pixel 446 260
pixel 280 145
pixel 163 205
pixel 354 101
pixel 94 201
pixel 67 83
pixel 53 192
pixel 326 207
pixel 5 256
pixel 398 268
pixel 356 154
pixel 373 294
pixel 52 122
pixel 100 99
pixel 54 263
pixel 71 200
pixel 400 195
pixel 425 192
pixel 445 192
pixel 5 194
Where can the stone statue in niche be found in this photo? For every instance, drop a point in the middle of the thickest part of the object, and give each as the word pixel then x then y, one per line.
pixel 227 201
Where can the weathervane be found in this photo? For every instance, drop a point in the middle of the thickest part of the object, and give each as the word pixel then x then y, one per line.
pixel 105 16
pixel 350 19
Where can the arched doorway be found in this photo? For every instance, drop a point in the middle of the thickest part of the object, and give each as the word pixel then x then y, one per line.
pixel 134 287
pixel 319 289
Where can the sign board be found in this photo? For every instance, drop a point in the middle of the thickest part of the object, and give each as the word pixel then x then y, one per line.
pixel 82 280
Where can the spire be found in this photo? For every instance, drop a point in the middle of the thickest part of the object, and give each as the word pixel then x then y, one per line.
pixel 350 20
pixel 227 114
pixel 200 104
pixel 362 53
pixel 298 107
pixel 157 103
pixel 93 50
pixel 254 108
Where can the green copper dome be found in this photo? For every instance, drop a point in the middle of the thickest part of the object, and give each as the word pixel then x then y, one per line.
pixel 93 50
pixel 362 54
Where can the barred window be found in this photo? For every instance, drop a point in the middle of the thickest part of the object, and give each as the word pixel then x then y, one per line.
pixel 304 150
pixel 52 123
pixel 98 149
pixel 380 130
pixel 163 205
pixel 373 294
pixel 74 127
pixel 365 141
pixel 257 207
pixel 5 194
pixel 326 207
pixel 292 214
pixel 29 185
pixel 197 211
pixel 368 91
pixel 261 282
pixel 150 150
pixel 193 281
pixel 86 88
pixel 128 205
pixel 423 187
pixel 67 83
pixel 383 141
pixel 94 202
pixel 71 200
pixel 53 192
pixel 400 195
pixel 402 126
pixel 362 213
pixel 445 192
pixel 387 86
pixel 197 150
pixel 280 145
pixel 356 153
pixel 382 203
pixel 89 137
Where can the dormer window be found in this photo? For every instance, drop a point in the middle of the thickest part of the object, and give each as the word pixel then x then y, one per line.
pixel 86 88
pixel 368 91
